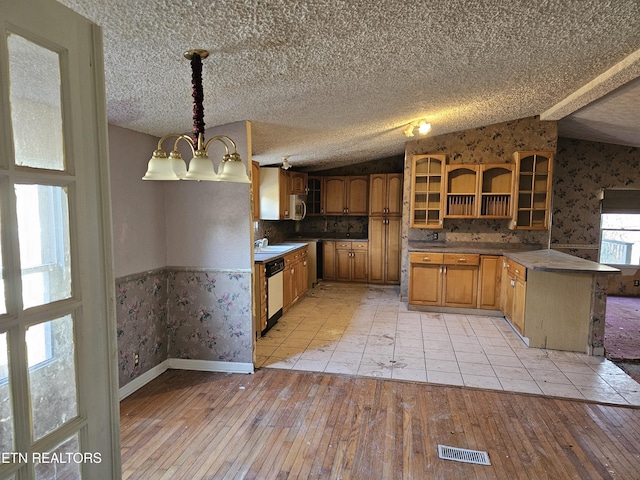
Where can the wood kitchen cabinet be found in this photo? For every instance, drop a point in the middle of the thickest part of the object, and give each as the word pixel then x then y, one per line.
pixel 425 278
pixel 255 186
pixel 351 261
pixel 532 190
pixel 385 227
pixel 343 195
pixel 489 282
pixel 515 293
pixel 461 191
pixel 328 260
pixel 448 280
pixel 385 234
pixel 294 277
pixel 427 190
pixel 495 190
pixel 314 195
pixel 385 194
pixel 260 293
pixel 297 182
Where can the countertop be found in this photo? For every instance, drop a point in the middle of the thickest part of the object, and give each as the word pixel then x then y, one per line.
pixel 554 261
pixel 484 248
pixel 266 256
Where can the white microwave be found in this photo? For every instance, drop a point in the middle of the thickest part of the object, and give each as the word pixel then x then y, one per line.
pixel 297 207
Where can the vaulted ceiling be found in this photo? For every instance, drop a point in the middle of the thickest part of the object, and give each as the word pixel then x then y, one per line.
pixel 331 82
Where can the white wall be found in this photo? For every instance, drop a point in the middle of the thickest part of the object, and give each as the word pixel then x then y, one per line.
pixel 137 206
pixel 209 223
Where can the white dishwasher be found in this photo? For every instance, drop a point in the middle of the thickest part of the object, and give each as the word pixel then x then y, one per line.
pixel 275 288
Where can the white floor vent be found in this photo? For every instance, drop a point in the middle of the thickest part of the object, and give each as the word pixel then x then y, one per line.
pixel 463 455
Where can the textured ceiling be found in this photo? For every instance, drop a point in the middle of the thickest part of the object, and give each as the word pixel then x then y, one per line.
pixel 330 82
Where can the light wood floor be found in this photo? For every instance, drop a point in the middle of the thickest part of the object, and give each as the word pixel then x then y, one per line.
pixel 286 424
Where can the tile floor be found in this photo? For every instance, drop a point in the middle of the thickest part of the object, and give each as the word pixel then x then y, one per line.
pixel 365 330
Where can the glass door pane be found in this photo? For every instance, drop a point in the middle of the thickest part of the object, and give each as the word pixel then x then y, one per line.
pixel 35 102
pixel 6 425
pixel 43 231
pixel 52 375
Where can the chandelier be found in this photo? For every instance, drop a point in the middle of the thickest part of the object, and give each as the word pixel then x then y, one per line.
pixel 173 167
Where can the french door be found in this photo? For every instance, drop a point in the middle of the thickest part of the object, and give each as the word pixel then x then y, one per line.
pixel 58 385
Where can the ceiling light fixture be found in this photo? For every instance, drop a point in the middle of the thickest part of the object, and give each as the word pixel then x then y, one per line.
pixel 285 162
pixel 422 126
pixel 173 167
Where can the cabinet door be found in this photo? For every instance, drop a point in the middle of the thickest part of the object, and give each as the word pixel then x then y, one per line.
pixel 489 282
pixel 377 194
pixel 357 195
pixel 328 260
pixel 303 275
pixel 505 288
pixel 394 193
pixel 359 264
pixel 519 297
pixel 314 196
pixel 425 284
pixel 377 249
pixel 297 183
pixel 460 286
pixel 255 186
pixel 283 182
pixel 333 197
pixel 532 190
pixel 392 250
pixel 427 191
pixel 343 264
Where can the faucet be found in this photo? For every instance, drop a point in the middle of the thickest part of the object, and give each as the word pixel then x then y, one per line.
pixel 261 243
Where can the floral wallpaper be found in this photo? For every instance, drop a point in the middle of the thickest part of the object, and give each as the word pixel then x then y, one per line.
pixel 141 314
pixel 581 169
pixel 174 313
pixel 210 316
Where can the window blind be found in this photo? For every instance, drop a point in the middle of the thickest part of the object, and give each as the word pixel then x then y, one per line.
pixel 620 200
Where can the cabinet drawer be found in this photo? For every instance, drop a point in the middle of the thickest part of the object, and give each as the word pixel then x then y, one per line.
pixel 425 258
pixel 461 259
pixel 359 246
pixel 517 271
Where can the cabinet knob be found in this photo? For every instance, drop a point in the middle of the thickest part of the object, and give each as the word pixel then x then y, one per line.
pixel 426 259
pixel 462 260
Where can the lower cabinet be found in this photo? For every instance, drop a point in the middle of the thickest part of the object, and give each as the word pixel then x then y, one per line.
pixel 345 260
pixel 489 282
pixel 328 260
pixel 448 280
pixel 295 277
pixel 351 261
pixel 515 293
pixel 384 249
pixel 260 293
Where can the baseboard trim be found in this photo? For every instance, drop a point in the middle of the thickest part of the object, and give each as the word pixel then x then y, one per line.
pixel 183 364
pixel 143 379
pixel 210 365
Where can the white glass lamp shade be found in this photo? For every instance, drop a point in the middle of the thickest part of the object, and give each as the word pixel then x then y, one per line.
pixel 233 171
pixel 201 168
pixel 178 165
pixel 160 167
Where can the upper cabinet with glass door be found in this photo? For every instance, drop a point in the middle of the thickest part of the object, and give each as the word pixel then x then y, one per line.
pixel 427 187
pixel 532 190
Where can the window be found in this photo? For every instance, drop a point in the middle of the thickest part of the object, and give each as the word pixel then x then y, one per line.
pixel 620 239
pixel 620 227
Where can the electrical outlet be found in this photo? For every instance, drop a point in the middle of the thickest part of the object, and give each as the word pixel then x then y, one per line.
pixel 435 235
pixel 636 283
pixel 136 359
